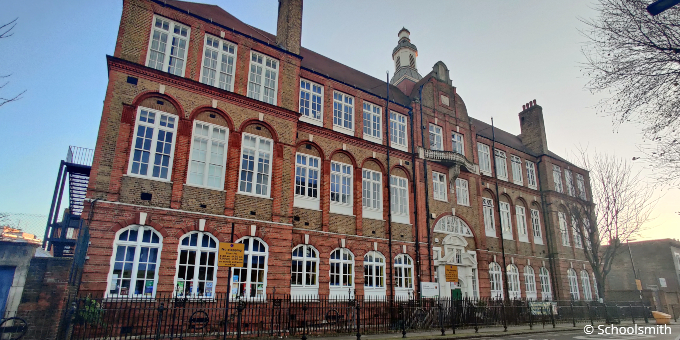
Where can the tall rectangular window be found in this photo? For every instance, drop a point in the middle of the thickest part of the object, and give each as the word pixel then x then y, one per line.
pixel 436 137
pixel 457 143
pixel 517 177
pixel 462 192
pixel 439 186
pixel 372 125
pixel 154 144
pixel 531 175
pixel 576 232
pixel 399 192
pixel 557 178
pixel 208 155
pixel 521 216
pixel 219 58
pixel 168 44
pixel 263 78
pixel 581 184
pixel 569 181
pixel 489 221
pixel 343 112
pixel 501 165
pixel 256 160
pixel 372 193
pixel 307 176
pixel 484 159
pixel 311 102
pixel 506 222
pixel 536 226
pixel 563 228
pixel 341 188
pixel 398 138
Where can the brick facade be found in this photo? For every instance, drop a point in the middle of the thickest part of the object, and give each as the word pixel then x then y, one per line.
pixel 118 199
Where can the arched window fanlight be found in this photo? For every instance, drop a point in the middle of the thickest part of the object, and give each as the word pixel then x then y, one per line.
pixel 453 225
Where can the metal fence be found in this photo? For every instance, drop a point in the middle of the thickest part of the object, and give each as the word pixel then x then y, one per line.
pixel 167 317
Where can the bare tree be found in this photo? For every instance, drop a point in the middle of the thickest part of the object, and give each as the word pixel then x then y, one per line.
pixel 6 32
pixel 622 202
pixel 633 58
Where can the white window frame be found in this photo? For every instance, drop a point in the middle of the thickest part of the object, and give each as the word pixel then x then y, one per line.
pixel 536 226
pixel 256 161
pixel 531 175
pixel 489 219
pixel 462 192
pixel 501 164
pixel 564 230
pixel 454 225
pixel 170 119
pixel 484 154
pixel 569 181
pixel 260 70
pixel 514 289
pixel 403 276
pixel 458 143
pixel 340 180
pixel 309 258
pixel 585 283
pixel 581 184
pixel 211 142
pixel 439 187
pixel 168 49
pixel 544 278
pixel 576 232
pixel 506 220
pixel 475 283
pixel 113 283
pixel 398 131
pixel 517 177
pixel 199 249
pixel 372 206
pixel 249 270
pixel 374 275
pixel 557 179
pixel 222 65
pixel 496 280
pixel 436 138
pixel 303 198
pixel 530 283
pixel 400 200
pixel 522 228
pixel 372 122
pixel 343 113
pixel 345 267
pixel 573 285
pixel 311 102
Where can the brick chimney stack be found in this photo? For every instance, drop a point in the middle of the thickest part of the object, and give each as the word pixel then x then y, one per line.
pixel 289 25
pixel 533 128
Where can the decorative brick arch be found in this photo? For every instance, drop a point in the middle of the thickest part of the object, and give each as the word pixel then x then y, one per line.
pixel 209 108
pixel 207 229
pixel 491 193
pixel 266 125
pixel 379 163
pixel 135 221
pixel 148 94
pixel 346 153
pixel 402 168
pixel 524 202
pixel 314 145
pixel 474 235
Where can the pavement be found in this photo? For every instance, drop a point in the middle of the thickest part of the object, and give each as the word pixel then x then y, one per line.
pixel 539 332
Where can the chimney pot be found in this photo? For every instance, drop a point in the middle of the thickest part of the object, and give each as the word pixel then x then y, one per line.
pixel 524 107
pixel 534 101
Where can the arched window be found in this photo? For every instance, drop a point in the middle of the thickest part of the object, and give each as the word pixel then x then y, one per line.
pixel 403 275
pixel 251 279
pixel 342 273
pixel 573 284
pixel 585 283
pixel 196 265
pixel 530 283
pixel 514 291
pixel 496 280
pixel 453 225
pixel 304 271
pixel 134 263
pixel 544 277
pixel 374 274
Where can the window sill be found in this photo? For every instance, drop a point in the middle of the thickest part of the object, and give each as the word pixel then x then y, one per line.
pixel 532 187
pixel 373 139
pixel 464 205
pixel 518 183
pixel 399 147
pixel 313 121
pixel 305 202
pixel 403 219
pixel 503 179
pixel 347 210
pixel 149 178
pixel 525 240
pixel 491 235
pixel 373 214
pixel 253 195
pixel 485 173
pixel 506 237
pixel 441 200
pixel 203 187
pixel 540 242
pixel 343 130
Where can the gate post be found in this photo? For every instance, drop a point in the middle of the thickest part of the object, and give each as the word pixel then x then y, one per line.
pixel 161 308
pixel 240 308
pixel 358 307
pixel 304 322
pixel 531 316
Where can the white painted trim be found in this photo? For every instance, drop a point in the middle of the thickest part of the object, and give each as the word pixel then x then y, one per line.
pixel 154 139
pixel 208 154
pixel 271 166
pixel 168 46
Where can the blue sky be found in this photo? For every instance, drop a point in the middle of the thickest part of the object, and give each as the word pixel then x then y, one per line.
pixel 501 54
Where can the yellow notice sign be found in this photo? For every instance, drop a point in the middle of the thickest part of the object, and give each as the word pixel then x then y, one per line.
pixel 230 255
pixel 451 273
pixel 638 283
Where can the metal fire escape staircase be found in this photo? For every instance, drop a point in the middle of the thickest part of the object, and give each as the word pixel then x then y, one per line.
pixel 61 236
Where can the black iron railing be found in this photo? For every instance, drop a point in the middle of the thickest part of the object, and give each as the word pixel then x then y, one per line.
pixel 79 155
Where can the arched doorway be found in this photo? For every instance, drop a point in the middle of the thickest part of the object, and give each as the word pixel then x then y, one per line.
pixel 453 250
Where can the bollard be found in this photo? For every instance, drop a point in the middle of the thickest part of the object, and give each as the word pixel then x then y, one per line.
pixel 161 308
pixel 304 322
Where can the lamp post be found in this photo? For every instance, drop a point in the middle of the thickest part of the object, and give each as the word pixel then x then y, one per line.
pixel 638 283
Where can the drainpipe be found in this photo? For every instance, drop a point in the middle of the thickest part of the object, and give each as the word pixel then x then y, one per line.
pixel 415 197
pixel 389 191
pixel 504 270
pixel 548 234
pixel 427 194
